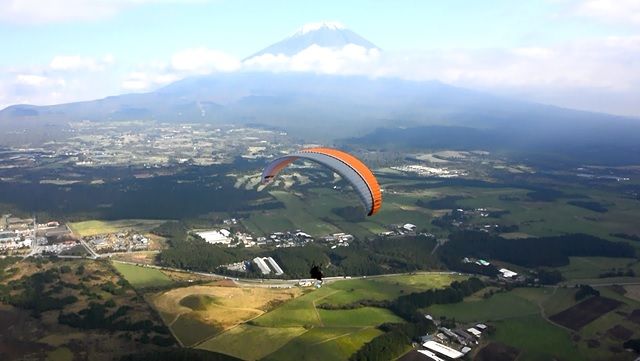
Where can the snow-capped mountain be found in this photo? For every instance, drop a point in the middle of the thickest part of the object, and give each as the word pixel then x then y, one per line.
pixel 328 34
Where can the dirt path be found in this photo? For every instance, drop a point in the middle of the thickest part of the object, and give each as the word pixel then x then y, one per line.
pixel 315 309
pixel 543 313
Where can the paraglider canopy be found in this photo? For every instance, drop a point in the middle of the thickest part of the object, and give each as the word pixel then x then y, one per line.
pixel 349 167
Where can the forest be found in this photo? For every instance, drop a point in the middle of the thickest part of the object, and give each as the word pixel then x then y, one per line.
pixel 529 252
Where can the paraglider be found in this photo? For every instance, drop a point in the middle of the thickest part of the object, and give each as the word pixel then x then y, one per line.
pixel 349 167
pixel 316 273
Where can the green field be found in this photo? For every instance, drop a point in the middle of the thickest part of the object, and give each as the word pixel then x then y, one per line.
pixel 592 267
pixel 518 317
pixel 385 288
pixel 299 330
pixel 251 342
pixel 311 210
pixel 499 306
pixel 191 331
pixel 325 344
pixel 301 311
pixel 140 277
pixel 538 339
pixel 95 227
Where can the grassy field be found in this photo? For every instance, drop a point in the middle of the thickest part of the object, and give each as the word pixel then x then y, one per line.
pixel 311 210
pixel 140 277
pixel 518 321
pixel 499 306
pixel 592 267
pixel 538 339
pixel 190 330
pixel 197 313
pixel 325 344
pixel 302 311
pixel 251 342
pixel 359 317
pixel 304 331
pixel 92 228
pixel 384 288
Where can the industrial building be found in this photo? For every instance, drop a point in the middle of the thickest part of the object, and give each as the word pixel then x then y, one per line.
pixel 274 265
pixel 506 273
pixel 443 350
pixel 216 236
pixel 262 265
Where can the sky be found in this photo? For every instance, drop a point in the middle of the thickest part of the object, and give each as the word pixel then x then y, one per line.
pixel 582 54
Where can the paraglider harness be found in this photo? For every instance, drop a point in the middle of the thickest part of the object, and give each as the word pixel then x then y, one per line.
pixel 316 273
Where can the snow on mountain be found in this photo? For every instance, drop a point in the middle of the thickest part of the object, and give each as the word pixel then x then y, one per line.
pixel 307 28
pixel 328 34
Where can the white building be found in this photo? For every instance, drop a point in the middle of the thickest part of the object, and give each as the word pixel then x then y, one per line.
pixel 430 355
pixel 409 227
pixel 507 273
pixel 474 331
pixel 276 268
pixel 216 236
pixel 443 350
pixel 262 265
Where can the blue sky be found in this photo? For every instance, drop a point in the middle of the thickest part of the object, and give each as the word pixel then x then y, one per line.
pixel 108 42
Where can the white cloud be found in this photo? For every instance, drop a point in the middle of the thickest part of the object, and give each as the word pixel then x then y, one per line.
pixel 348 59
pixel 75 62
pixel 614 11
pixel 600 74
pixel 203 61
pixel 30 79
pixel 184 63
pixel 564 75
pixel 141 81
pixel 53 11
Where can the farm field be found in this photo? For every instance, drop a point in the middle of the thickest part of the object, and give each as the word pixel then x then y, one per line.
pixel 497 307
pixel 325 343
pixel 325 334
pixel 519 319
pixel 196 313
pixel 310 209
pixel 585 312
pixel 141 277
pixel 592 267
pixel 95 227
pixel 263 340
pixel 538 339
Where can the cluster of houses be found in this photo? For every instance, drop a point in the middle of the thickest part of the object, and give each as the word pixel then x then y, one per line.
pixel 118 242
pixel 449 344
pixel 286 239
pixel 425 171
pixel 56 248
pixel 400 230
pixel 336 240
pixel 10 240
pixel 505 274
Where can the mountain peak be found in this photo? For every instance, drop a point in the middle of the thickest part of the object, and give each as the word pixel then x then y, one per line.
pixel 326 34
pixel 330 25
